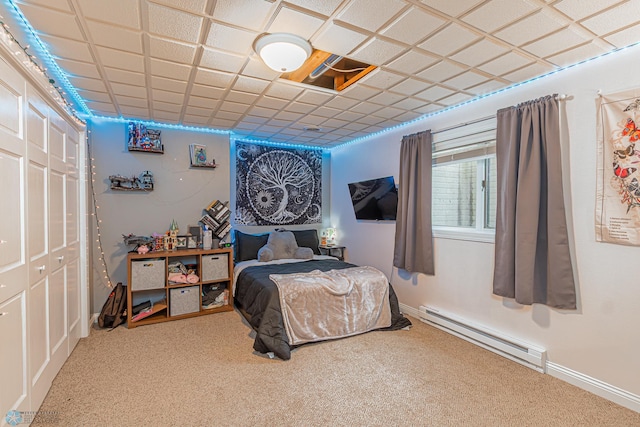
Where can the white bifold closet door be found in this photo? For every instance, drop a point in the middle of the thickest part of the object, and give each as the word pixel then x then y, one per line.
pixel 40 249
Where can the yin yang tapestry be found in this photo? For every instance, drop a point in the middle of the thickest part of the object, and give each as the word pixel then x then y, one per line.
pixel 277 186
pixel 618 171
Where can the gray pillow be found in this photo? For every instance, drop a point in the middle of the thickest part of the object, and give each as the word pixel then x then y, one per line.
pixel 283 245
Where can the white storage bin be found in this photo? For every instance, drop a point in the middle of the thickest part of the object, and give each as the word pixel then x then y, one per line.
pixel 215 267
pixel 184 300
pixel 148 274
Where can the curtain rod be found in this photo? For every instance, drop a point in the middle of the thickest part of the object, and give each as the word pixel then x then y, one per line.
pixel 560 97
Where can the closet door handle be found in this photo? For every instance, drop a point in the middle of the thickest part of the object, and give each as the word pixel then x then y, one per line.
pixel 60 258
pixel 42 268
pixel 3 314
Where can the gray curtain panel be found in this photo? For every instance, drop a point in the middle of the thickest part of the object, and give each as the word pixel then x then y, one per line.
pixel 414 240
pixel 532 258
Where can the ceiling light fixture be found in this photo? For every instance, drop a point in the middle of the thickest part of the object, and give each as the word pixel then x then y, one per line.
pixel 282 52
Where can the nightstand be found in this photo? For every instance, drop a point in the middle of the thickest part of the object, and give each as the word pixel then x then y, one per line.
pixel 333 250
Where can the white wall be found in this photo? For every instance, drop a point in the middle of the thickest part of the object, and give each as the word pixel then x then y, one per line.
pixel 180 192
pixel 599 339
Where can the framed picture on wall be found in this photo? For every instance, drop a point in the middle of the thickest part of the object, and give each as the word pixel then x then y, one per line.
pixel 181 242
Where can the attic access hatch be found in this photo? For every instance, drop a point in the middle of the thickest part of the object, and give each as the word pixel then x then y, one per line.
pixel 329 71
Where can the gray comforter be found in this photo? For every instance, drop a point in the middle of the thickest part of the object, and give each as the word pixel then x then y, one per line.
pixel 258 299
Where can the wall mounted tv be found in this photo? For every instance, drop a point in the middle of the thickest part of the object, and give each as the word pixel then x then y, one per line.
pixel 375 199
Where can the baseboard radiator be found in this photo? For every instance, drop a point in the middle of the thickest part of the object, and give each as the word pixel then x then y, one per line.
pixel 513 349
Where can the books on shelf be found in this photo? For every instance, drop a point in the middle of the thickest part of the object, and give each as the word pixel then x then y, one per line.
pixel 198 156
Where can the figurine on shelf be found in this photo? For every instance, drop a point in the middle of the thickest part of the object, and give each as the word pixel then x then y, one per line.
pixel 143 249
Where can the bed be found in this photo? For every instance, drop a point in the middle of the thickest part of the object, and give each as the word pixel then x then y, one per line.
pixel 259 295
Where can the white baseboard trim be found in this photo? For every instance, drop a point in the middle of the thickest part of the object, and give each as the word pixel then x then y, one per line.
pixel 585 382
pixel 595 386
pixel 94 319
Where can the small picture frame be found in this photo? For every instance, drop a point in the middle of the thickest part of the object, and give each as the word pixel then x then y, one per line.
pixel 192 242
pixel 181 242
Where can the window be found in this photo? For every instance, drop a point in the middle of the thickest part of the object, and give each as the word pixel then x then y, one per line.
pixel 464 181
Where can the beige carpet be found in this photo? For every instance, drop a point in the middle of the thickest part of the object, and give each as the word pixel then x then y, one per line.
pixel 203 372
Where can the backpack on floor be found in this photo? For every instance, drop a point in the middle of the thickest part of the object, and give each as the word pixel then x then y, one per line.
pixel 114 310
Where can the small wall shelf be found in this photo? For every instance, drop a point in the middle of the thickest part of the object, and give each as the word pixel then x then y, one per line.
pixel 147 150
pixel 204 166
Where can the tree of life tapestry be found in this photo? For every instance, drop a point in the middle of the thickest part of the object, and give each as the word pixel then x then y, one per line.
pixel 277 186
pixel 618 172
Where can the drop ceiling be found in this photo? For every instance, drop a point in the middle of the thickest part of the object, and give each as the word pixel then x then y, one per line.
pixel 191 62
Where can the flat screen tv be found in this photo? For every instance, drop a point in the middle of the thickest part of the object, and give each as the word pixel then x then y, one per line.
pixel 375 199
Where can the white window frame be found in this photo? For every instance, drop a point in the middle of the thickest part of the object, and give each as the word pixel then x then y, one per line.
pixel 474 141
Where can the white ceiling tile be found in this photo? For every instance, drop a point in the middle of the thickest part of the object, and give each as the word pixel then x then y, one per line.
pixel 529 72
pixel 171 50
pixel 288 116
pixel 366 108
pixel 93 96
pixel 273 103
pixel 577 54
pixel 451 38
pixel 326 112
pixel 341 103
pixel 88 84
pixel 62 5
pixel 408 116
pixel 174 24
pixel 66 48
pixel 115 37
pixel 300 107
pixel 579 9
pixel 625 37
pixel 292 21
pixel 325 7
pixel 497 13
pixel 412 62
pixel 133 112
pixel 532 27
pixel 452 8
pixel 413 25
pixel 223 61
pixel 376 52
pixel 196 6
pixel 222 123
pixel 409 103
pixel 170 70
pixel 505 63
pixel 233 106
pixel 313 97
pixel 338 39
pixel 242 97
pixel 251 14
pixel 52 22
pixel 359 92
pixel 129 90
pixel 434 93
pixel 197 101
pixel 409 86
pixel 166 96
pixel 131 101
pixel 101 108
pixel 429 108
pixel 249 84
pixel 381 79
pixel 122 12
pixel 609 21
pixel 168 84
pixel 121 60
pixel 386 98
pixel 556 42
pixel 195 120
pixel 350 115
pixel 207 91
pixel 81 69
pixel 213 78
pixel 487 87
pixel 197 111
pixel 361 13
pixel 262 112
pixel 123 76
pixel 167 107
pixel 227 115
pixel 231 39
pixel 465 80
pixel 455 99
pixel 480 52
pixel 164 116
pixel 283 90
pixel 441 71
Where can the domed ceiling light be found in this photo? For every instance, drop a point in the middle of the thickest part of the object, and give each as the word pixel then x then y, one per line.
pixel 282 52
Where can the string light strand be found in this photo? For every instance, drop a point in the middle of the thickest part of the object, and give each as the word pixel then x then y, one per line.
pixel 94 200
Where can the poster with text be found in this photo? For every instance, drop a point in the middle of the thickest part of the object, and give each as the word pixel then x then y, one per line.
pixel 618 173
pixel 277 186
